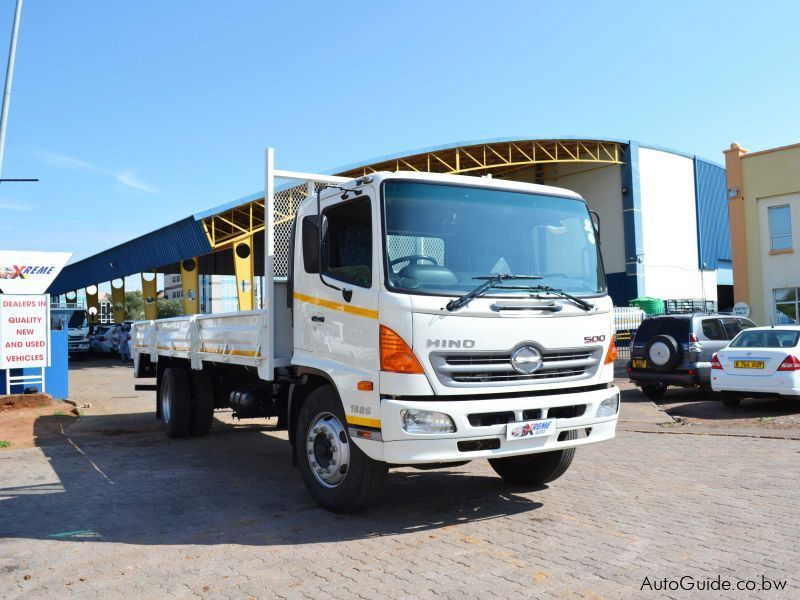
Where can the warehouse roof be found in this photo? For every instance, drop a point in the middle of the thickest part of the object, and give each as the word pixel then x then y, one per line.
pixel 212 229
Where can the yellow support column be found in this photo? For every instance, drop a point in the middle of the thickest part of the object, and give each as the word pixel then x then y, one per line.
pixel 118 300
pixel 150 296
pixel 245 268
pixel 93 304
pixel 190 281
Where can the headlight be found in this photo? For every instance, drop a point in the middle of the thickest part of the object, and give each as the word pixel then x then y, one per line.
pixel 426 421
pixel 608 407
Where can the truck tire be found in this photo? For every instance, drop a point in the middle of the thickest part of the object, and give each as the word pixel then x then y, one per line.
pixel 176 407
pixel 202 403
pixel 337 474
pixel 654 391
pixel 535 469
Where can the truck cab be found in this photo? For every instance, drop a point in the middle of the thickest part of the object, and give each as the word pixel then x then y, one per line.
pixel 76 322
pixel 445 382
pixel 426 320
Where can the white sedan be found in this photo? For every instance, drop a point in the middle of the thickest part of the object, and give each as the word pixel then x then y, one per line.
pixel 760 361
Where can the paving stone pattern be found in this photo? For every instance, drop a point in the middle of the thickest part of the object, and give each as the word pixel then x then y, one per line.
pixel 227 516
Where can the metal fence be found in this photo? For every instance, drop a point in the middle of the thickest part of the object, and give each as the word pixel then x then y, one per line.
pixel 626 322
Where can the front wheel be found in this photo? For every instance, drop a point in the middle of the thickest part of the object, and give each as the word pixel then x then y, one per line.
pixel 654 391
pixel 338 475
pixel 534 469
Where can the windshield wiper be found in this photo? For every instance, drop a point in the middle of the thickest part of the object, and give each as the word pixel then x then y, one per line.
pixel 492 281
pixel 587 306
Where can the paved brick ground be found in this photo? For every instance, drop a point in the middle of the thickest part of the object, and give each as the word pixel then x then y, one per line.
pixel 226 516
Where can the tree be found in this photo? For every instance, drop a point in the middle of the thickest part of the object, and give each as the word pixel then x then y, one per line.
pixel 170 308
pixel 134 306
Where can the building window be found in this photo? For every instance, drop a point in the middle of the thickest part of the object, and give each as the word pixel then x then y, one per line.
pixel 786 305
pixel 780 227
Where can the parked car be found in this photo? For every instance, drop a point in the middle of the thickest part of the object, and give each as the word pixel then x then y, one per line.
pixel 760 362
pixel 101 340
pixel 677 350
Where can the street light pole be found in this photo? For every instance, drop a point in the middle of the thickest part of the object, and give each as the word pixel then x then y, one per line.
pixel 12 55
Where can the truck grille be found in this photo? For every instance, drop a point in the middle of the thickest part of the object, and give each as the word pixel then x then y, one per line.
pixel 464 369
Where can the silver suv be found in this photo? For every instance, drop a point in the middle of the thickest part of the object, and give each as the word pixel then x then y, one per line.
pixel 677 349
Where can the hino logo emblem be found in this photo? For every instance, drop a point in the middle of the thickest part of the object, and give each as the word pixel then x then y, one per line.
pixel 526 360
pixel 443 344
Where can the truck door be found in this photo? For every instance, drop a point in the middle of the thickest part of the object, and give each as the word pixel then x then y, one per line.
pixel 341 325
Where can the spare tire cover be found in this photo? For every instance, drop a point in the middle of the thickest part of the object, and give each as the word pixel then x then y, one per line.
pixel 663 353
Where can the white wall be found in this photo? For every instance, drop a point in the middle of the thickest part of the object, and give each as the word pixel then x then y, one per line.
pixel 777 270
pixel 602 190
pixel 669 228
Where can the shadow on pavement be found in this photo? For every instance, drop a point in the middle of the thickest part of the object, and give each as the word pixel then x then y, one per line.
pixel 231 487
pixel 699 404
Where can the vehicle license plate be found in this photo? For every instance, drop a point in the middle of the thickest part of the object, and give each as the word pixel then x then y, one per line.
pixel 528 429
pixel 639 363
pixel 748 364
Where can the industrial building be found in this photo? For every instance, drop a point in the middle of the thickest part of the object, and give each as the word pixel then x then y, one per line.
pixel 663 219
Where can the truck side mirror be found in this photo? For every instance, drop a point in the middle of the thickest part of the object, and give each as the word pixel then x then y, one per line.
pixel 311 244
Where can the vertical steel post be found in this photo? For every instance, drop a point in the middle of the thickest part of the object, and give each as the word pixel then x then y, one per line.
pixel 190 286
pixel 244 268
pixel 12 55
pixel 267 370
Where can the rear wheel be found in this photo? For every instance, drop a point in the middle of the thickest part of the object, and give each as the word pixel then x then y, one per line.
pixel 175 402
pixel 654 391
pixel 202 403
pixel 535 469
pixel 338 475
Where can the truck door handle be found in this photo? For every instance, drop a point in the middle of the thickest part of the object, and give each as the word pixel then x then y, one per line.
pixel 318 319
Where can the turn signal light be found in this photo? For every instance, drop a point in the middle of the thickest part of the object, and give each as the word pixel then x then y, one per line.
pixel 611 355
pixel 715 364
pixel 396 356
pixel 790 363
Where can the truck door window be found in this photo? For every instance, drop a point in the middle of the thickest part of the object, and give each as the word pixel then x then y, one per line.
pixel 347 242
pixel 310 244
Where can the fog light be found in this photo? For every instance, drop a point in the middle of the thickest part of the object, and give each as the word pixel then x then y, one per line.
pixel 608 407
pixel 426 421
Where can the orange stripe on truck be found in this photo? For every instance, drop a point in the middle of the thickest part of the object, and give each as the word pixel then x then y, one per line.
pixel 353 310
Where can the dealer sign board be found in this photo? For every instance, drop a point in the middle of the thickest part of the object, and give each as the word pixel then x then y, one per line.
pixel 25 272
pixel 24 331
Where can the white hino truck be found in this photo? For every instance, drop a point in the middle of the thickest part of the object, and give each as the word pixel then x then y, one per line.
pixel 425 320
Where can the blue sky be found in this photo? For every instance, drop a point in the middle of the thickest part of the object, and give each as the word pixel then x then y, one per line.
pixel 136 114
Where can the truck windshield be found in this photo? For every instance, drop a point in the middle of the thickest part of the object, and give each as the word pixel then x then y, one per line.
pixel 440 238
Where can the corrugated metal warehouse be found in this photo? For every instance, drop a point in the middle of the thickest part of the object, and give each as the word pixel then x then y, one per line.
pixel 663 215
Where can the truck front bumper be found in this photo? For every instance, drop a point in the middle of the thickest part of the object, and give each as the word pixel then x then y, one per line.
pixel 473 440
